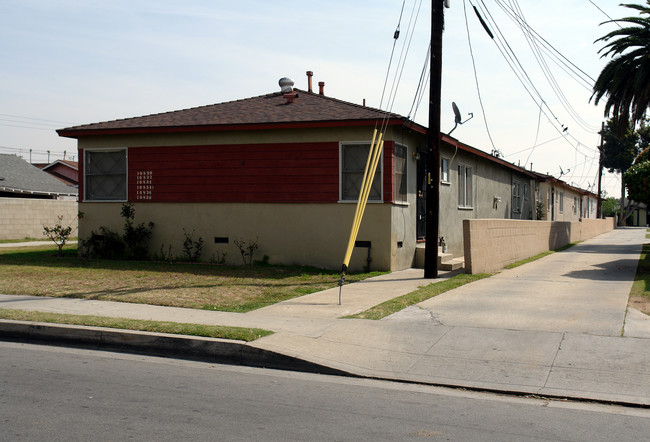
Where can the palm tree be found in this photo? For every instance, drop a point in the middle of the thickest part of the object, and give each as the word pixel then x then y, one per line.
pixel 625 80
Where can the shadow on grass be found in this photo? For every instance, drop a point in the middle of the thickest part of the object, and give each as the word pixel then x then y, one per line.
pixel 70 260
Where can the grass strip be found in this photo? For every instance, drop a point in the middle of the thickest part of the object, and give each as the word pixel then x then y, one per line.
pixel 10 241
pixel 539 256
pixel 422 294
pixel 641 284
pixel 177 328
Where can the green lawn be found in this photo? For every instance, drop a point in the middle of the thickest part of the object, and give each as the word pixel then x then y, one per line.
pixel 36 271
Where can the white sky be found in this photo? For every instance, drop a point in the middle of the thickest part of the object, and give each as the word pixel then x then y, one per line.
pixel 69 62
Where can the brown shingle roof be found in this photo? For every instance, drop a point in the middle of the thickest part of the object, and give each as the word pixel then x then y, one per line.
pixel 271 109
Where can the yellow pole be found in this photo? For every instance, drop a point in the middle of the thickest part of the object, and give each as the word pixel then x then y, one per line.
pixel 373 159
pixel 368 176
pixel 351 240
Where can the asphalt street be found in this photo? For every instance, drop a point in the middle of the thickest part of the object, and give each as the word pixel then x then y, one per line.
pixel 50 393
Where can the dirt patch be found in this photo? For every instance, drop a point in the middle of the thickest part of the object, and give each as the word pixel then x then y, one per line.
pixel 640 303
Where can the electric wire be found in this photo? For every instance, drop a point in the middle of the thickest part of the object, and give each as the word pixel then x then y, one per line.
pixel 606 15
pixel 518 17
pixel 571 68
pixel 419 90
pixel 478 88
pixel 539 120
pixel 521 74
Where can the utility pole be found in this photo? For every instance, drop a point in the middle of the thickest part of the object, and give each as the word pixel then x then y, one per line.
pixel 433 141
pixel 600 171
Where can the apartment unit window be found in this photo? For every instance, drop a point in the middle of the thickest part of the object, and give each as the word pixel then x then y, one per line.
pixel 526 196
pixel 105 175
pixel 561 202
pixel 465 186
pixel 400 174
pixel 575 205
pixel 516 197
pixel 353 163
pixel 444 170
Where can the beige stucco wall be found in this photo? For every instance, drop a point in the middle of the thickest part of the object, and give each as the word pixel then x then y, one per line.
pixel 305 234
pixel 24 217
pixel 491 244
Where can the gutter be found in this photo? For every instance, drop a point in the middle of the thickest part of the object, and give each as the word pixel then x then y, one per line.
pixel 35 192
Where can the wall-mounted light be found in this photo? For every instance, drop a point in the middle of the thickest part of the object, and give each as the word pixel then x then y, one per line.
pixel 416 156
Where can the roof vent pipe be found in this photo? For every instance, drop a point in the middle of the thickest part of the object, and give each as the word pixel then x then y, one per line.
pixel 321 87
pixel 309 75
pixel 286 85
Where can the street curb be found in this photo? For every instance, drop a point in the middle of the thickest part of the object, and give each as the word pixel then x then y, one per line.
pixel 220 351
pixel 213 350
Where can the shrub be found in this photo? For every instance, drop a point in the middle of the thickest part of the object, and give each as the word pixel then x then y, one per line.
pixel 192 249
pixel 247 249
pixel 135 237
pixel 104 244
pixel 58 234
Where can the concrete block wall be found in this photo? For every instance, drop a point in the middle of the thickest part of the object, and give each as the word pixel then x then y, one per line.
pixel 24 217
pixel 492 244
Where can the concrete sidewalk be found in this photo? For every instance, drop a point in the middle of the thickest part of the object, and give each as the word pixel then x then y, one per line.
pixel 558 326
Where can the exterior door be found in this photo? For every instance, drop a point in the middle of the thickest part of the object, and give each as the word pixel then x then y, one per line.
pixel 422 197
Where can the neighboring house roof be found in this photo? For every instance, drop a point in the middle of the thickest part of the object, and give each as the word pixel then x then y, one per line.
pixel 542 177
pixel 473 150
pixel 19 177
pixel 65 171
pixel 270 111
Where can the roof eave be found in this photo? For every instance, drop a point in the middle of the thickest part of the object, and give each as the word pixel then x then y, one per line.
pixel 81 132
pixel 34 192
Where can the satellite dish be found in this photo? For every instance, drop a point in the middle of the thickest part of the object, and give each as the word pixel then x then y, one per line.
pixel 457 117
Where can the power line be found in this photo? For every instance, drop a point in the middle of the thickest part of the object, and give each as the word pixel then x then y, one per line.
pixel 606 15
pixel 22 117
pixel 478 89
pixel 548 74
pixel 515 65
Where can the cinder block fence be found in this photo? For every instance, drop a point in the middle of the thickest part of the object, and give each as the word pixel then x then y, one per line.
pixel 492 244
pixel 24 218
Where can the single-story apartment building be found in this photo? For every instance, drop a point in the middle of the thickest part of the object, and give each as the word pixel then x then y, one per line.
pixel 284 169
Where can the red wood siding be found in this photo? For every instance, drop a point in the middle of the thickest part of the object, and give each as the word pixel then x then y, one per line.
pixel 389 172
pixel 255 173
pixel 81 175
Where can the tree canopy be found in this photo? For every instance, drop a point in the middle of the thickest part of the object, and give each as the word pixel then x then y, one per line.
pixel 620 149
pixel 637 179
pixel 625 80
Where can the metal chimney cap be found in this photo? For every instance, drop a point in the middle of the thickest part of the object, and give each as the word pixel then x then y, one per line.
pixel 286 85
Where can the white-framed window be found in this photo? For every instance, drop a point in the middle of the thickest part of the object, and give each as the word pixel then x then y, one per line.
pixel 516 197
pixel 561 202
pixel 400 174
pixel 465 186
pixel 105 175
pixel 353 158
pixel 444 170
pixel 575 205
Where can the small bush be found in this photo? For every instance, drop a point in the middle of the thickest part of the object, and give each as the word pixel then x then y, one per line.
pixel 58 234
pixel 247 249
pixel 104 244
pixel 192 249
pixel 136 237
